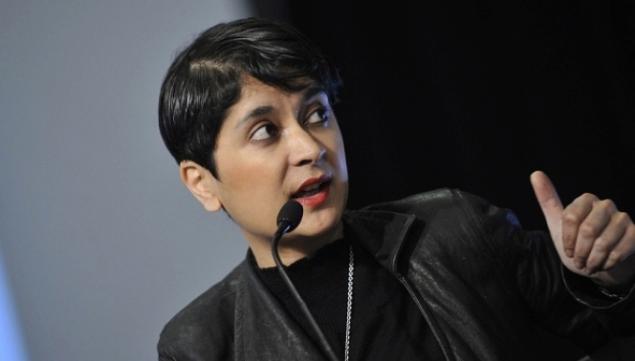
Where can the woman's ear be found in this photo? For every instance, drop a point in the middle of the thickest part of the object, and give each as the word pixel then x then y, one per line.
pixel 201 183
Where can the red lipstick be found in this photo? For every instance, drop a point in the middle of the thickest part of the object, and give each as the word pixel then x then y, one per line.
pixel 313 191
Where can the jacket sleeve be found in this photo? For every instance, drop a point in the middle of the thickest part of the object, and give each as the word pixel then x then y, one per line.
pixel 164 356
pixel 193 344
pixel 203 330
pixel 569 305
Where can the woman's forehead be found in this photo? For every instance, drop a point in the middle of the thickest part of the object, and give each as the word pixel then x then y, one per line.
pixel 302 87
pixel 258 98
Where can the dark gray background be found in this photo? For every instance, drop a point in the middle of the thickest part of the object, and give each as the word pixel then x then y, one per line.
pixel 100 242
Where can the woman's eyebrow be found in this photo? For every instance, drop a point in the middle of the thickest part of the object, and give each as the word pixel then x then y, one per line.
pixel 255 113
pixel 306 102
pixel 311 92
pixel 267 109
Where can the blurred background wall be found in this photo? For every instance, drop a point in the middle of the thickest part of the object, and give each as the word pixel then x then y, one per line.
pixel 476 94
pixel 101 243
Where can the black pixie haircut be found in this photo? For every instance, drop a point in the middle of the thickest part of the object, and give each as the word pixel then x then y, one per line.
pixel 205 79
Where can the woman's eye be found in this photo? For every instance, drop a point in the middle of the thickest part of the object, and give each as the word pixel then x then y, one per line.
pixel 266 131
pixel 320 115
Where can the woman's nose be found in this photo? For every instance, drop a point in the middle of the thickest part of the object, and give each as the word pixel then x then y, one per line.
pixel 304 148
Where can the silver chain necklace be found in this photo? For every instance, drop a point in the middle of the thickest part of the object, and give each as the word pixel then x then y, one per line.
pixel 349 302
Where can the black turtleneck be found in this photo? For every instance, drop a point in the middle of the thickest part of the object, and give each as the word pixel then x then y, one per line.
pixel 386 324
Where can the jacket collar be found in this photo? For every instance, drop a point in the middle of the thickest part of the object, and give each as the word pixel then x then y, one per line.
pixel 382 233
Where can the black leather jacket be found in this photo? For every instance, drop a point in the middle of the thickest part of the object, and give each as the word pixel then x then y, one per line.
pixel 488 289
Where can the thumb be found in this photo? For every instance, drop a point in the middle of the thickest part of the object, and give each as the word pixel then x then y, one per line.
pixel 549 202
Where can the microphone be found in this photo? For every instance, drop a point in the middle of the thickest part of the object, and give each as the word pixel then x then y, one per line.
pixel 289 218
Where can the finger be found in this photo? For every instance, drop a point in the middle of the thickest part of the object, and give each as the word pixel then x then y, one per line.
pixel 604 244
pixel 624 248
pixel 590 229
pixel 572 218
pixel 548 199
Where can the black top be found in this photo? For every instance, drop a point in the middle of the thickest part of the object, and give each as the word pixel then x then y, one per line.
pixel 386 324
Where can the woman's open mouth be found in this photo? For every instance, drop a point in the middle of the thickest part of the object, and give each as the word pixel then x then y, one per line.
pixel 314 195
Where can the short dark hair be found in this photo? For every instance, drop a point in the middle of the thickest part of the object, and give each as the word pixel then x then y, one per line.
pixel 205 79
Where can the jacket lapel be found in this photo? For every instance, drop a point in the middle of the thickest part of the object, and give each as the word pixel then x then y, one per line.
pixel 388 236
pixel 382 233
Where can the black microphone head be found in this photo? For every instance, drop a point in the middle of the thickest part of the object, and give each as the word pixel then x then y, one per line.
pixel 290 215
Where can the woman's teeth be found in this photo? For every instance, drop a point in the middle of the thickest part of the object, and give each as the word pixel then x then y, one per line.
pixel 309 190
pixel 313 187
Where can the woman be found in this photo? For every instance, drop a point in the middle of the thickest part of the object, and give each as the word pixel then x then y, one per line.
pixel 443 275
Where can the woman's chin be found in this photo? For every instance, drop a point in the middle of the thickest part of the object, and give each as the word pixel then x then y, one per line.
pixel 318 224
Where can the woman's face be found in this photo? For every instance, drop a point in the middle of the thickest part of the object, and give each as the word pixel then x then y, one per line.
pixel 270 144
